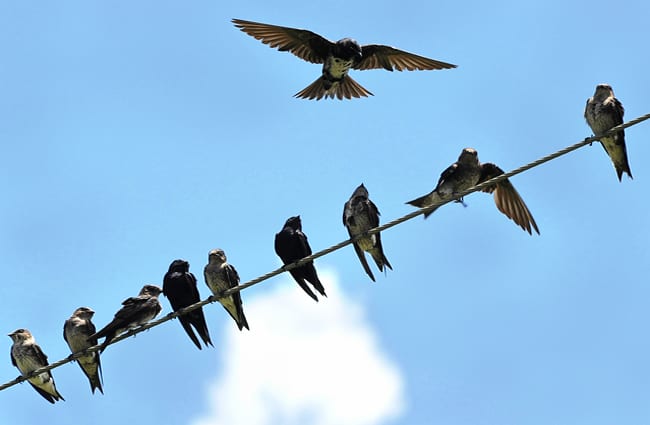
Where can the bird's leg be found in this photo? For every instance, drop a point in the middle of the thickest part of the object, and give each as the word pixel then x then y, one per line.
pixel 461 201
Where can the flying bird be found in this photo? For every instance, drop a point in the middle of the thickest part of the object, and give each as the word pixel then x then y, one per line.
pixel 603 112
pixel 27 356
pixel 135 312
pixel 76 331
pixel 220 276
pixel 291 245
pixel 467 172
pixel 360 214
pixel 337 58
pixel 179 286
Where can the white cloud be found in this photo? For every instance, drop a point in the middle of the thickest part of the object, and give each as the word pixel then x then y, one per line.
pixel 303 363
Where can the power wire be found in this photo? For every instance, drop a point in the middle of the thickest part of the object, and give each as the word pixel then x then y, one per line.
pixel 211 299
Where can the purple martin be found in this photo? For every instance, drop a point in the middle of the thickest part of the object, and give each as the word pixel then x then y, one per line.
pixel 135 312
pixel 467 172
pixel 602 112
pixel 291 245
pixel 179 286
pixel 220 276
pixel 360 214
pixel 337 58
pixel 76 331
pixel 27 356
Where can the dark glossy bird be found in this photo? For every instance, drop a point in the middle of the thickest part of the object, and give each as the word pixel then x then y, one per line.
pixel 603 111
pixel 467 172
pixel 220 276
pixel 135 312
pixel 360 214
pixel 76 332
pixel 291 245
pixel 337 58
pixel 27 356
pixel 179 286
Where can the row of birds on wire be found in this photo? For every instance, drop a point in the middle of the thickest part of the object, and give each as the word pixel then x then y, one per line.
pixel 602 112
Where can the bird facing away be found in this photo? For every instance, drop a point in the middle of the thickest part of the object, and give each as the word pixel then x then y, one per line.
pixel 76 331
pixel 337 58
pixel 220 276
pixel 291 245
pixel 135 312
pixel 467 172
pixel 27 356
pixel 179 286
pixel 602 112
pixel 360 214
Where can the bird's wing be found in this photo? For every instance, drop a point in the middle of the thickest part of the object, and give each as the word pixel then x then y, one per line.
pixel 507 198
pixel 373 214
pixel 362 259
pixel 132 305
pixel 305 44
pixel 39 354
pixel 233 276
pixel 89 329
pixel 375 56
pixel 617 109
pixel 233 281
pixel 65 325
pixel 303 243
pixel 346 207
pixel 449 171
pixel 193 287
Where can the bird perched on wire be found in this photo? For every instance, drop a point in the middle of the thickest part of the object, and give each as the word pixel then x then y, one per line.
pixel 603 111
pixel 135 312
pixel 337 58
pixel 360 214
pixel 291 245
pixel 27 356
pixel 467 172
pixel 76 331
pixel 220 276
pixel 179 286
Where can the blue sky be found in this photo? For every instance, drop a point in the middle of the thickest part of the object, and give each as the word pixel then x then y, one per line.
pixel 135 134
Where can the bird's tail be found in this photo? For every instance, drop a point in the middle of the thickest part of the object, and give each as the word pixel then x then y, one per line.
pixel 615 148
pixel 233 305
pixel 186 324
pixel 346 88
pixel 425 201
pixel 92 368
pixel 380 258
pixel 95 383
pixel 303 284
pixel 312 277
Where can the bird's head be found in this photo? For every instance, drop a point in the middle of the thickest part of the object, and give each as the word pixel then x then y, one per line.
pixel 217 256
pixel 179 266
pixel 603 91
pixel 360 191
pixel 151 290
pixel 20 335
pixel 294 223
pixel 84 312
pixel 347 49
pixel 468 155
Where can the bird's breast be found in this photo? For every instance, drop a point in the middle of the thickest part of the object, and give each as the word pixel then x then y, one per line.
pixel 336 68
pixel 27 363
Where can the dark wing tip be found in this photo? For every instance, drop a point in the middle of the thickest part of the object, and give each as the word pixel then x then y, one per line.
pixel 376 56
pixel 510 203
